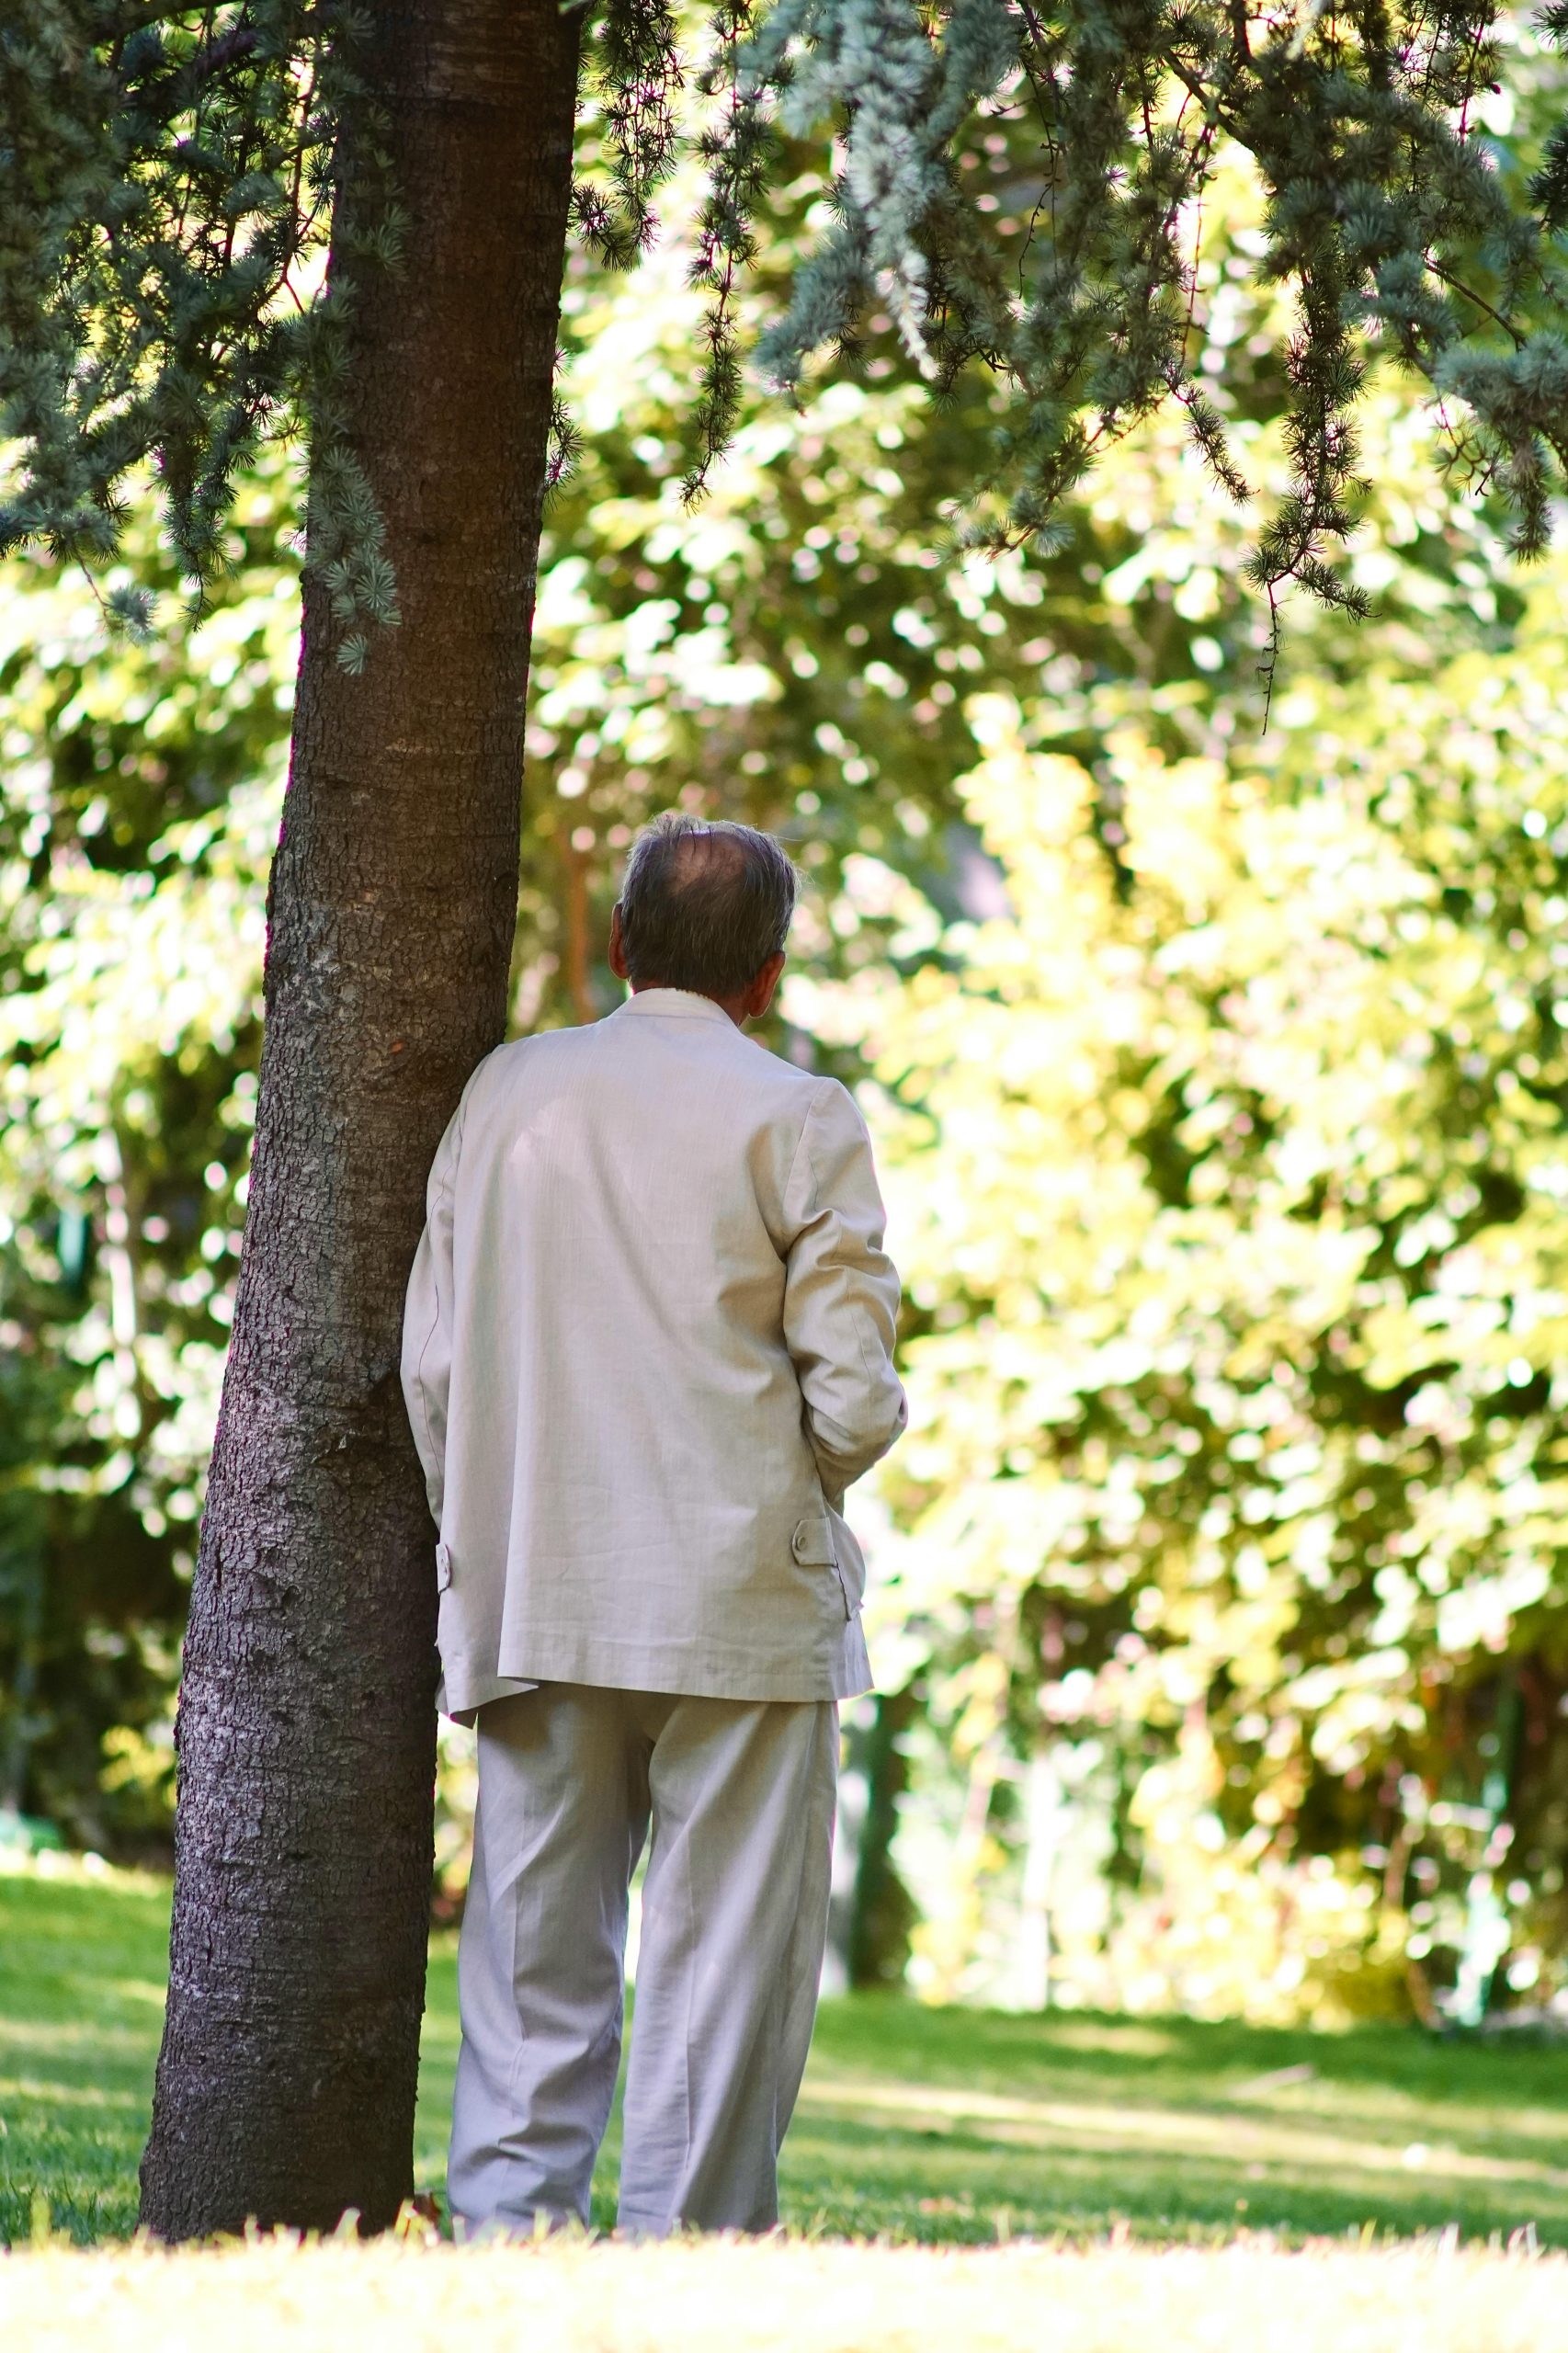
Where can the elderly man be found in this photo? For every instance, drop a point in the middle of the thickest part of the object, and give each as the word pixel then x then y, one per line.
pixel 648 1346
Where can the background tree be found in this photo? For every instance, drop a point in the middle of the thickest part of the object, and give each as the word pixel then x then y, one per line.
pixel 166 180
pixel 140 810
pixel 175 175
pixel 1231 1174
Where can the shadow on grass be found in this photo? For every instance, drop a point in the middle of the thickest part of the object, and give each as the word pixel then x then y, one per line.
pixel 914 2124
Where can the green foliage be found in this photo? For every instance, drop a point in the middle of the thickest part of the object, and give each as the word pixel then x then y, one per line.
pixel 1227 1167
pixel 1390 216
pixel 141 791
pixel 633 73
pixel 164 182
pixel 166 177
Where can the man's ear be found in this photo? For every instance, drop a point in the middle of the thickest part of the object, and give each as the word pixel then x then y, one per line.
pixel 759 996
pixel 617 948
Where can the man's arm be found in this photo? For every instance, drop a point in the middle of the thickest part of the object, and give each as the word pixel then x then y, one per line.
pixel 428 1318
pixel 841 1294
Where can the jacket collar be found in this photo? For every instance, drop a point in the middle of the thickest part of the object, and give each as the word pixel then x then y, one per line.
pixel 676 1005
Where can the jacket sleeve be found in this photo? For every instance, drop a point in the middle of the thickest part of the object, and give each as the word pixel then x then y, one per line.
pixel 841 1294
pixel 428 1318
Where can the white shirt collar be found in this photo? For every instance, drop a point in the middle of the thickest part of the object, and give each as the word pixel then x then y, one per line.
pixel 679 1005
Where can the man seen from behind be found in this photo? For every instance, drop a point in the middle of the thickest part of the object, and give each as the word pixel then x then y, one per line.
pixel 648 1346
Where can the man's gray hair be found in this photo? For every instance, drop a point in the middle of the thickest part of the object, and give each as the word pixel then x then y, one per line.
pixel 703 907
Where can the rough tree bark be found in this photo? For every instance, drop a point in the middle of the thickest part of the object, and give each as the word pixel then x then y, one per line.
pixel 286 2085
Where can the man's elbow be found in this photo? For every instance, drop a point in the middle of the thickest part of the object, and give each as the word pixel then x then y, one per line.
pixel 846 1445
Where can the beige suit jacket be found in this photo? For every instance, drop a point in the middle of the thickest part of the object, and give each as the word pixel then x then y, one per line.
pixel 648 1344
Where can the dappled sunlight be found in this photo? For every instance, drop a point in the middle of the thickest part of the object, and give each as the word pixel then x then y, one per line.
pixel 735 2298
pixel 50 2091
pixel 1125 2039
pixel 99 2037
pixel 1056 2125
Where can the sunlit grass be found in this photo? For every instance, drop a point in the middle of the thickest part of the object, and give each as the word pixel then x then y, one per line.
pixel 729 2297
pixel 951 2124
pixel 914 2124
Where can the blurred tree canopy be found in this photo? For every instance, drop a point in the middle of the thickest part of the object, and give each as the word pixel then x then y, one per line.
pixel 142 785
pixel 1012 192
pixel 1230 1175
pixel 1217 1078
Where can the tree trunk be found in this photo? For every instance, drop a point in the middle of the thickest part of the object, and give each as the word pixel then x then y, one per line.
pixel 884 1911
pixel 286 2085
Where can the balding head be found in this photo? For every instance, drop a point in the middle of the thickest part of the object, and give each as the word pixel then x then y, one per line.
pixel 703 908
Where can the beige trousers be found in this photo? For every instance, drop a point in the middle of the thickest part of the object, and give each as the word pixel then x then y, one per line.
pixel 739 1794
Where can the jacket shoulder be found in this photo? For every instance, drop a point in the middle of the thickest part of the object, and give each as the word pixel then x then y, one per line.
pixel 505 1061
pixel 788 1076
pixel 830 1101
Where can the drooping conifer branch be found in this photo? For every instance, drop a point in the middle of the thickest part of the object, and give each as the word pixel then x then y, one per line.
pixel 166 175
pixel 1389 223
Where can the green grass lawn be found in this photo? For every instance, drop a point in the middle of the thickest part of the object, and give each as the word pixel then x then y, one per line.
pixel 913 2124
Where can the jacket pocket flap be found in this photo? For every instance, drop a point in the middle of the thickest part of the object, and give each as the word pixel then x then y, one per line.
pixel 813 1544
